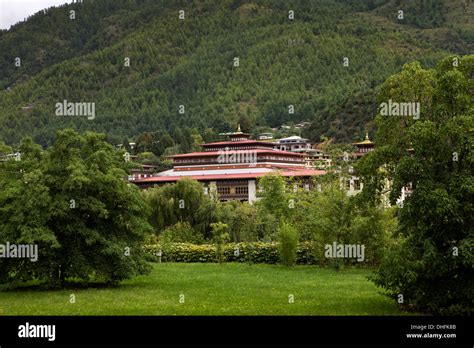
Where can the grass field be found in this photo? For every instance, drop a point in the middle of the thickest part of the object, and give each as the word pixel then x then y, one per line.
pixel 213 289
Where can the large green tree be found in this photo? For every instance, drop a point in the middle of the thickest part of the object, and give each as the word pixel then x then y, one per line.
pixel 73 202
pixel 433 154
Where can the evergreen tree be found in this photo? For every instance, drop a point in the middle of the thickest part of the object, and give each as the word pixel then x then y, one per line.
pixel 126 145
pixel 73 203
pixel 433 154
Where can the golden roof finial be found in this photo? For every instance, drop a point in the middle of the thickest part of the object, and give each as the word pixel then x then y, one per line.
pixel 366 141
pixel 238 128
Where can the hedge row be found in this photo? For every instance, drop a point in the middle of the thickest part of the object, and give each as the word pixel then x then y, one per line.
pixel 255 252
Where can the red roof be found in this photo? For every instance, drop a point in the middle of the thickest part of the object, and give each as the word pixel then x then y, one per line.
pixel 208 177
pixel 217 153
pixel 244 142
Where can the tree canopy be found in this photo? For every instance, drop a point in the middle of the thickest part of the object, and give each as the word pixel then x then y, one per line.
pixel 73 203
pixel 433 156
pixel 182 74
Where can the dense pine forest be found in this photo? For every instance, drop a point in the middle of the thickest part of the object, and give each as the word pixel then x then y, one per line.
pixel 226 62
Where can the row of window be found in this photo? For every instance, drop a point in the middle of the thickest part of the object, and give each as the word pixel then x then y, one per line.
pixel 238 148
pixel 215 160
pixel 238 190
pixel 139 176
pixel 294 147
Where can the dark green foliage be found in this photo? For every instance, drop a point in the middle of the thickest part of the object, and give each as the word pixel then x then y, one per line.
pixel 190 63
pixel 288 243
pixel 126 145
pixel 183 202
pixel 420 13
pixel 181 232
pixel 433 265
pixel 174 205
pixel 322 217
pixel 164 143
pixel 242 219
pixel 71 201
pixel 344 121
pixel 255 252
pixel 219 237
pixel 144 142
pixel 274 198
pixel 332 216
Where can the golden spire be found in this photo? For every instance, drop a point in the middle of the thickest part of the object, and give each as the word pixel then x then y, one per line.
pixel 238 128
pixel 366 141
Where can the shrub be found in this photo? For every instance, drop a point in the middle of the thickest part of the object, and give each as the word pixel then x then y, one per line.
pixel 220 237
pixel 255 252
pixel 181 232
pixel 242 220
pixel 288 243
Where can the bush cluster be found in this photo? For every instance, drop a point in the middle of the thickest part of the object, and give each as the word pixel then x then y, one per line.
pixel 307 253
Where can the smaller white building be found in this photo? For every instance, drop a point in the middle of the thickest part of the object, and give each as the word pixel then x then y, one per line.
pixel 293 143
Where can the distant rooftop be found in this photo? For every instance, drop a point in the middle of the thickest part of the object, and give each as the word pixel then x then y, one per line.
pixel 366 141
pixel 292 138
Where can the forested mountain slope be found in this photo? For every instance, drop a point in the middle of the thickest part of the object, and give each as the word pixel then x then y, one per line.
pixel 191 62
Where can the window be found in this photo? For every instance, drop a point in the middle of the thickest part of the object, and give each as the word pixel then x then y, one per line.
pixel 223 190
pixel 357 185
pixel 241 190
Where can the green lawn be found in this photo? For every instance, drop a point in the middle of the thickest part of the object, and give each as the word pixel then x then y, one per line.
pixel 213 289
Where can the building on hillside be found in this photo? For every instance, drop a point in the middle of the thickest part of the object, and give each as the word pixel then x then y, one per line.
pixel 232 168
pixel 11 156
pixel 265 136
pixel 323 160
pixel 142 171
pixel 314 158
pixel 302 125
pixel 364 146
pixel 292 143
pixel 119 146
pixel 353 183
pixel 28 107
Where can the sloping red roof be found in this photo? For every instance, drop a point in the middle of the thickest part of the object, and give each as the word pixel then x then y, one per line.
pixel 244 142
pixel 209 177
pixel 217 153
